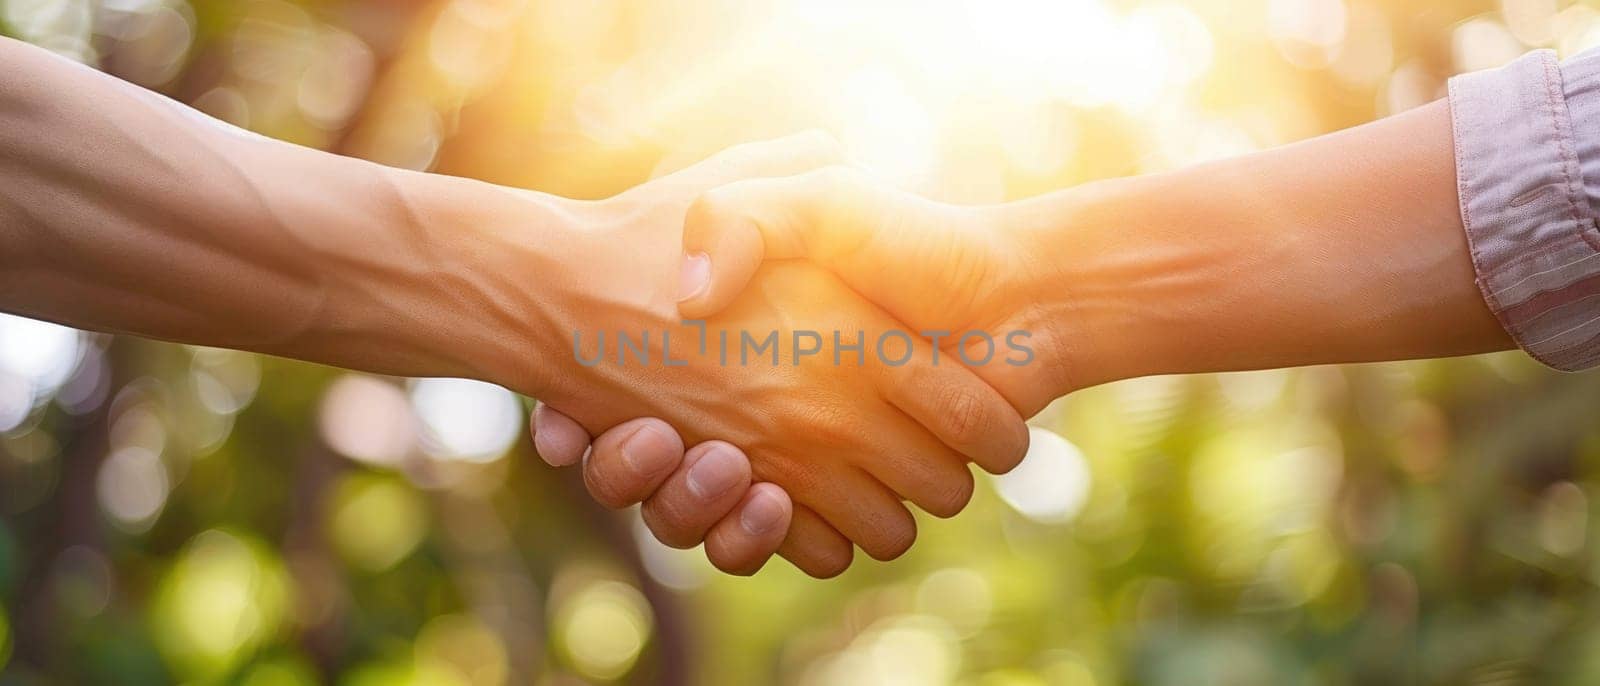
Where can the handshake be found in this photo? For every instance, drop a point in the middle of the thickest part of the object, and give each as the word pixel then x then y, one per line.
pixel 832 348
pixel 828 346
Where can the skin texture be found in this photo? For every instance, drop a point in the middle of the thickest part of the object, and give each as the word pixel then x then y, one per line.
pixel 849 430
pixel 849 457
pixel 943 269
pixel 741 523
pixel 152 220
pixel 1343 248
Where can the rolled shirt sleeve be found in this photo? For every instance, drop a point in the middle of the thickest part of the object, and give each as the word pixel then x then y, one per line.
pixel 1527 147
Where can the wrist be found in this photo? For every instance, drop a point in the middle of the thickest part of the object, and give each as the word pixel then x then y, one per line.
pixel 529 272
pixel 1064 285
pixel 1122 274
pixel 473 283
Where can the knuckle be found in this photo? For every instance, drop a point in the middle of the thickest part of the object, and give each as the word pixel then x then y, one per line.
pixel 826 563
pixel 953 496
pixel 832 426
pixel 698 220
pixel 709 214
pixel 837 438
pixel 714 199
pixel 1056 369
pixel 966 416
pixel 670 525
pixel 1014 450
pixel 822 554
pixel 605 491
pixel 732 567
pixel 729 560
pixel 892 546
pixel 896 535
pixel 802 476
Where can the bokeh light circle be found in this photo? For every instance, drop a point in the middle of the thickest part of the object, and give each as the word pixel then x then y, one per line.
pixel 466 420
pixel 1052 483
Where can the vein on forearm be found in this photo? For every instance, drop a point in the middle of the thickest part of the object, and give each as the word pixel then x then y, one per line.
pixel 132 204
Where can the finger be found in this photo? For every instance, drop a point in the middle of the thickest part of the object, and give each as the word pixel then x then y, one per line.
pixel 707 486
pixel 951 402
pixel 559 440
pixel 814 546
pixel 737 226
pixel 743 541
pixel 792 154
pixel 851 501
pixel 876 520
pixel 628 462
pixel 912 463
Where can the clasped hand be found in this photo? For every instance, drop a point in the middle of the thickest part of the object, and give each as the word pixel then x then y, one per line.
pixel 926 353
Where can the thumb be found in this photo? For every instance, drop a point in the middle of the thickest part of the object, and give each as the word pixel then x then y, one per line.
pixel 729 231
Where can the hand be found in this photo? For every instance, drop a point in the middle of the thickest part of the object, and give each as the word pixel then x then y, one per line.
pixel 702 495
pixel 962 272
pixel 841 440
pixel 741 525
pixel 844 442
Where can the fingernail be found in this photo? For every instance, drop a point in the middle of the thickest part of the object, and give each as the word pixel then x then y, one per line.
pixel 714 473
pixel 548 444
pixel 644 451
pixel 694 275
pixel 548 448
pixel 762 513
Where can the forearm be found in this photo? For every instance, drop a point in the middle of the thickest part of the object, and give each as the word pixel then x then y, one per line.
pixel 1343 248
pixel 122 211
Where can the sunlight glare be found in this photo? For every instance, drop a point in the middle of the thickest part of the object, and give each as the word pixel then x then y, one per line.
pixel 1178 35
pixel 886 129
pixel 1308 33
pixel 1483 44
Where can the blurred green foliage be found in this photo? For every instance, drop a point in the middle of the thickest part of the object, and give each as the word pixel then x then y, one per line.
pixel 173 514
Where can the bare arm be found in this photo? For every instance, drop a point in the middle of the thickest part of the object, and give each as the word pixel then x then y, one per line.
pixel 1343 248
pixel 123 211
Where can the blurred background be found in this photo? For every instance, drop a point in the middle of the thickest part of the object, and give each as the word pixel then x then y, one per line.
pixel 172 514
